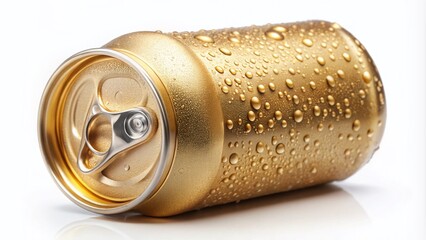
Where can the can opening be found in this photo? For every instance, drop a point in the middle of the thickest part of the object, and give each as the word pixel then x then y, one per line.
pixel 104 130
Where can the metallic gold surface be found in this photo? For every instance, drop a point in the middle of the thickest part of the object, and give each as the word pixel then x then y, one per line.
pixel 248 112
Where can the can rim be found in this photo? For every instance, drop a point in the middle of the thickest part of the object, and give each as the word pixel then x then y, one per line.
pixel 167 141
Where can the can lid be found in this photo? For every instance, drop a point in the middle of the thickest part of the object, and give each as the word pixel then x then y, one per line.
pixel 105 130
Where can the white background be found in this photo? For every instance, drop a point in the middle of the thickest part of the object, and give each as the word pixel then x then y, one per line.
pixel 385 200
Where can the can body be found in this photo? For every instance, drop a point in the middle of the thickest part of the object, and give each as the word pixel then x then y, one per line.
pixel 237 113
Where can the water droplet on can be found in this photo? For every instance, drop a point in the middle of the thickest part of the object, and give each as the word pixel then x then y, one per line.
pixel 275 35
pixel 298 116
pixel 361 94
pixel 307 42
pixel 229 124
pixel 317 111
pixel 260 147
pixel 251 116
pixel 255 103
pixel 341 74
pixel 330 81
pixel 247 128
pixel 306 138
pixel 289 83
pixel 347 57
pixel 348 113
pixel 280 148
pixel 321 61
pixel 225 89
pixel 126 167
pixel 356 125
pixel 249 75
pixel 278 115
pixel 234 158
pixel 261 88
pixel 225 51
pixel 204 38
pixel 219 69
pixel 366 77
pixel 331 100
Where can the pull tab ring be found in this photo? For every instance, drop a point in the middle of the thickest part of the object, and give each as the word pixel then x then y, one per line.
pixel 129 128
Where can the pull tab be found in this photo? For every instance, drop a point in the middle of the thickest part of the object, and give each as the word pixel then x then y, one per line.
pixel 128 128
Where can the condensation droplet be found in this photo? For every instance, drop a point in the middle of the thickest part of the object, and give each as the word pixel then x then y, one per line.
pixel 320 127
pixel 261 88
pixel 126 167
pixel 312 85
pixel 272 86
pixel 348 113
pixel 284 123
pixel 278 115
pixel 271 123
pixel 228 81
pixel 317 111
pixel 314 170
pixel 251 116
pixel 273 34
pixel 306 138
pixel 330 81
pixel 274 140
pixel 381 99
pixel 298 116
pixel 321 61
pixel 296 99
pixel 289 83
pixel 316 143
pixel 204 38
pixel 234 158
pixel 347 152
pixel 356 125
pixel 341 74
pixel 331 100
pixel 255 103
pixel 347 57
pixel 225 51
pixel 219 69
pixel 370 133
pixel 280 170
pixel 307 42
pixel 249 75
pixel 225 89
pixel 260 147
pixel 279 29
pixel 361 94
pixel 366 77
pixel 280 148
pixel 247 128
pixel 234 39
pixel 260 128
pixel 229 124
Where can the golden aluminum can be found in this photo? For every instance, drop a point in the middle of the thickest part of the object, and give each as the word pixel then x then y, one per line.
pixel 163 123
